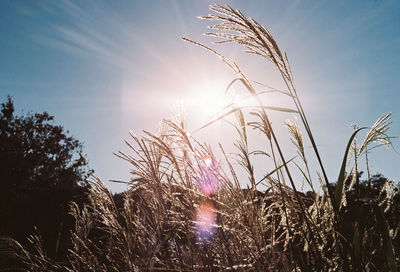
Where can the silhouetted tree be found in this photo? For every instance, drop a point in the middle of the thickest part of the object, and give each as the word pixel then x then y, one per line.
pixel 42 169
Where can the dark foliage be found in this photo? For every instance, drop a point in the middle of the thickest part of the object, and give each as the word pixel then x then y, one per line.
pixel 372 206
pixel 42 169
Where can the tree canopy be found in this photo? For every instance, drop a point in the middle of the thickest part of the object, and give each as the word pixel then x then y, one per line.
pixel 42 169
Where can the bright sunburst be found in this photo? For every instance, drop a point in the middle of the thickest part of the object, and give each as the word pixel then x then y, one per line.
pixel 211 101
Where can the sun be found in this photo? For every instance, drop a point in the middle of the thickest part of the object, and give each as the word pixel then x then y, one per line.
pixel 211 101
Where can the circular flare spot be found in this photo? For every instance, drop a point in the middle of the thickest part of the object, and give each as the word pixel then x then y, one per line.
pixel 205 220
pixel 208 162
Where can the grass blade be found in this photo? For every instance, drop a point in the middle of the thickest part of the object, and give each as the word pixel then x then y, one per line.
pixel 342 175
pixel 274 171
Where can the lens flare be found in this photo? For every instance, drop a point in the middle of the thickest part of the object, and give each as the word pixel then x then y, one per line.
pixel 205 220
pixel 207 188
pixel 208 162
pixel 208 182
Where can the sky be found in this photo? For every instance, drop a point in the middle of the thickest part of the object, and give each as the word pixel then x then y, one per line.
pixel 104 68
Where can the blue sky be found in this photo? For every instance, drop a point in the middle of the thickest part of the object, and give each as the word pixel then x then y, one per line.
pixel 104 68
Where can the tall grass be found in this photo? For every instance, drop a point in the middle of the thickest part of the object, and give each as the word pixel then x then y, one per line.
pixel 186 210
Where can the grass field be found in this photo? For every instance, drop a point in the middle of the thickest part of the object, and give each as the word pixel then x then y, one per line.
pixel 187 209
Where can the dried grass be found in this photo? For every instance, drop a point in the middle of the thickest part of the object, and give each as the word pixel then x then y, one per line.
pixel 269 226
